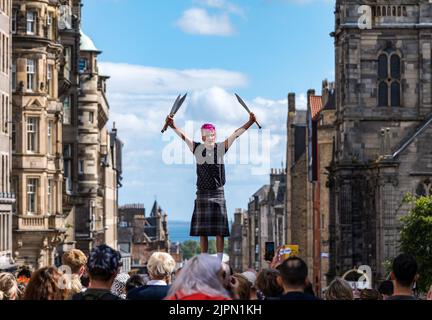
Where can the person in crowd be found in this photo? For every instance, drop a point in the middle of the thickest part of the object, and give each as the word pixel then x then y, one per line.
pixel 339 289
pixel 309 289
pixel 243 290
pixel 251 276
pixel 293 279
pixel 8 287
pixel 23 277
pixel 46 284
pixel 228 281
pixel 76 260
pixel 160 267
pixel 201 278
pixel 268 285
pixel 103 265
pixel 429 294
pixel 386 289
pixel 118 287
pixel 370 294
pixel 404 276
pixel 135 281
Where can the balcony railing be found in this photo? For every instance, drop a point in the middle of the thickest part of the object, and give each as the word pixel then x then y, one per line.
pixel 41 223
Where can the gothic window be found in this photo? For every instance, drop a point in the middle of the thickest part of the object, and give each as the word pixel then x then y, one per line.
pixel 389 79
pixel 424 188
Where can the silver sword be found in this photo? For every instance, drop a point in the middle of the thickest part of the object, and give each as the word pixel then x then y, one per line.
pixel 246 108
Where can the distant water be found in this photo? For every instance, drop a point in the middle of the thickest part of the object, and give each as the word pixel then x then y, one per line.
pixel 179 231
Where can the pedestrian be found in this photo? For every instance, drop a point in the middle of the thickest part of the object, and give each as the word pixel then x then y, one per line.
pixel 243 290
pixel 370 294
pixel 210 213
pixel 76 260
pixel 46 284
pixel 386 289
pixel 339 289
pixel 293 279
pixel 118 287
pixel 404 275
pixel 251 276
pixel 268 285
pixel 160 267
pixel 135 281
pixel 23 277
pixel 200 279
pixel 103 265
pixel 8 287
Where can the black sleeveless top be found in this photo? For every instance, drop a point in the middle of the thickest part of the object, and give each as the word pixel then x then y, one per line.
pixel 210 166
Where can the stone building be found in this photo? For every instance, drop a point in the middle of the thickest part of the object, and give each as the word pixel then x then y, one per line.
pixel 67 164
pixel 6 197
pixel 69 88
pixel 98 156
pixel 139 235
pixel 309 153
pixel 37 168
pixel 383 128
pixel 238 242
pixel 298 200
pixel 264 221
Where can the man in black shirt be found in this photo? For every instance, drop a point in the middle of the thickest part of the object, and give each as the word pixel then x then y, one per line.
pixel 293 279
pixel 210 215
pixel 404 276
pixel 103 266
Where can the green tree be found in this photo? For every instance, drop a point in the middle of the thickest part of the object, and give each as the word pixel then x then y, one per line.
pixel 189 249
pixel 416 237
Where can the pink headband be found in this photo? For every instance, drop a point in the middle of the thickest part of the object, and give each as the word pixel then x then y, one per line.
pixel 208 126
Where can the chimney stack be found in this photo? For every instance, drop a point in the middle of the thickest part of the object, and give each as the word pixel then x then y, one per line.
pixel 291 102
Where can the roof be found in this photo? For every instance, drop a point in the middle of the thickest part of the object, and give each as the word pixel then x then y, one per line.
pixel 316 105
pixel 87 44
pixel 156 210
pixel 418 131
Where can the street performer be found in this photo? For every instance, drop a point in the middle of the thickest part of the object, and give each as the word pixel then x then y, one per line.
pixel 210 214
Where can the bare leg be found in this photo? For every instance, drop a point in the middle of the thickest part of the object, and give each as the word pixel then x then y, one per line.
pixel 204 244
pixel 220 244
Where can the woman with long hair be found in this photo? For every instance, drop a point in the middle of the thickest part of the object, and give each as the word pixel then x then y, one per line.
pixel 46 284
pixel 8 287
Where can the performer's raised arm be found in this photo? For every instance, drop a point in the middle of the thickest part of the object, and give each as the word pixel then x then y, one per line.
pixel 240 131
pixel 180 133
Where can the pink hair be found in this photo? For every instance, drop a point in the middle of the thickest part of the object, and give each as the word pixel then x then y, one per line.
pixel 208 126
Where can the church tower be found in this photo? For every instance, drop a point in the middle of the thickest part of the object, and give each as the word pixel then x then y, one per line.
pixel 384 115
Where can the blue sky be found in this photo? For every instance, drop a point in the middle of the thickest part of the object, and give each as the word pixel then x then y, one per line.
pixel 155 50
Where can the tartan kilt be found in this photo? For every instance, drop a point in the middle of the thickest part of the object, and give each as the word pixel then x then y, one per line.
pixel 210 214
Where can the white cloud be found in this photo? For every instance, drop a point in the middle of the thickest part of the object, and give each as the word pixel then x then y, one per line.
pixel 135 79
pixel 223 5
pixel 199 21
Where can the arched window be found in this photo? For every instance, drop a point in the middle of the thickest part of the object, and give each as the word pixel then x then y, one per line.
pixel 424 188
pixel 383 94
pixel 384 11
pixel 389 79
pixel 399 11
